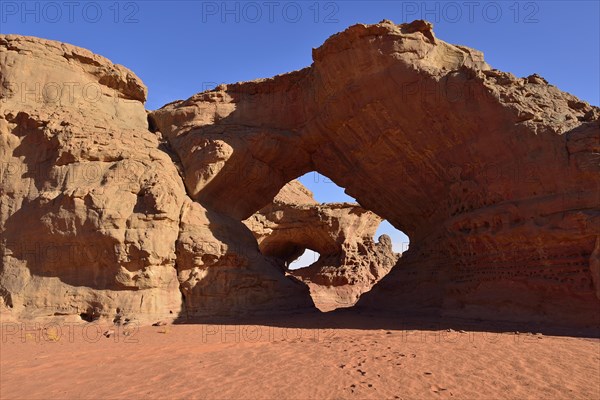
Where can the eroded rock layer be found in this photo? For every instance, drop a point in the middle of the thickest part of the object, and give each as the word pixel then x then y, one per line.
pixel 494 178
pixel 94 216
pixel 350 262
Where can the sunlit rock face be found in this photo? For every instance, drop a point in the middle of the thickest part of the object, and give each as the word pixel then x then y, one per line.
pixel 494 178
pixel 350 262
pixel 94 215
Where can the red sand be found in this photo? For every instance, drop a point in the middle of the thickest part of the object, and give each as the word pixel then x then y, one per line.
pixel 362 357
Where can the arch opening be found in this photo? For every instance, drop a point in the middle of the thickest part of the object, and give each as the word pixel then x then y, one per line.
pixel 400 240
pixel 321 235
pixel 306 259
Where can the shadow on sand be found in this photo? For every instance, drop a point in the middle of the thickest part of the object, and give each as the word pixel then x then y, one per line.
pixel 356 319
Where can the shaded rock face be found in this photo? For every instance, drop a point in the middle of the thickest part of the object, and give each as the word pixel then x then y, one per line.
pixel 350 262
pixel 494 178
pixel 94 215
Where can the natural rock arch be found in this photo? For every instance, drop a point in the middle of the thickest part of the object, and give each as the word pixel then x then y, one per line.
pixel 493 177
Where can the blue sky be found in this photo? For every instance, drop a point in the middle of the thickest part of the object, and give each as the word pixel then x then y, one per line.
pixel 179 48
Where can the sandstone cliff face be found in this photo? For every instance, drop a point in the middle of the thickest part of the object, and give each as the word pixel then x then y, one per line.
pixel 494 178
pixel 350 262
pixel 94 216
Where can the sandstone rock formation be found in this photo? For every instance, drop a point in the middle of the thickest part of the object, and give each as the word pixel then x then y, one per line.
pixel 94 216
pixel 494 178
pixel 350 262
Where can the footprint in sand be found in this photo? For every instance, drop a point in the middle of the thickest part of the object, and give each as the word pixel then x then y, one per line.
pixel 369 385
pixel 438 389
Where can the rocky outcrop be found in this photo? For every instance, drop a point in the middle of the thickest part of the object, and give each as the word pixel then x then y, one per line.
pixel 350 262
pixel 494 178
pixel 94 216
